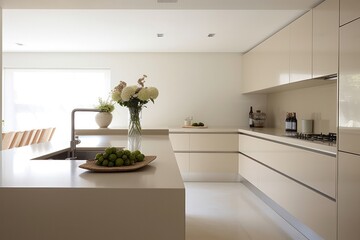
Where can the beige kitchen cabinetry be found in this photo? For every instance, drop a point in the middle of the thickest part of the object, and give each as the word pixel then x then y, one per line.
pixel 325 38
pixel 206 156
pixel 267 65
pixel 301 48
pixel 298 180
pixel 349 11
pixel 349 88
pixel 349 196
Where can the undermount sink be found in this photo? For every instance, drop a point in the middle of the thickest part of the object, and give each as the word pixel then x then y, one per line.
pixel 81 154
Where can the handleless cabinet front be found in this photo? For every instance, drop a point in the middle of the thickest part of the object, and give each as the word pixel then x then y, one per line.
pixel 349 10
pixel 349 88
pixel 325 38
pixel 301 48
pixel 349 196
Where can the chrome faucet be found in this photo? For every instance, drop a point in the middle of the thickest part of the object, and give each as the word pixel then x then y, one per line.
pixel 75 139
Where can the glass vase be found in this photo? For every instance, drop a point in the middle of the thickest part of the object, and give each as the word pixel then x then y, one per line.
pixel 134 131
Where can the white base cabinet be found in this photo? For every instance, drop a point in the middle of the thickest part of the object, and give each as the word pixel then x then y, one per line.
pixel 206 156
pixel 349 196
pixel 301 181
pixel 311 208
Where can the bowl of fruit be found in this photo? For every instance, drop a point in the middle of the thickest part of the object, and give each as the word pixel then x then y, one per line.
pixel 117 160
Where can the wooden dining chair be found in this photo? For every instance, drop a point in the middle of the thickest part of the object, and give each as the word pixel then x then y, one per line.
pixel 17 138
pixel 25 139
pixel 36 136
pixel 7 140
pixel 45 135
pixel 52 133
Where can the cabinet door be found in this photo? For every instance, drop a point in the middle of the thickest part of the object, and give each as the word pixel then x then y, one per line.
pixel 183 161
pixel 349 10
pixel 325 38
pixel 301 48
pixel 349 196
pixel 214 162
pixel 180 142
pixel 313 169
pixel 214 142
pixel 349 88
pixel 268 63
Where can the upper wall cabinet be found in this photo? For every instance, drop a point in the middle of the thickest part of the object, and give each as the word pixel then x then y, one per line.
pixel 301 48
pixel 349 11
pixel 325 38
pixel 267 65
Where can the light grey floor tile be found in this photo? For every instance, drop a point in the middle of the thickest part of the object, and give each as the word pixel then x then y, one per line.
pixel 230 211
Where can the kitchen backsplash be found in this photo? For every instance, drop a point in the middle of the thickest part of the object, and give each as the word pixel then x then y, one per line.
pixel 318 103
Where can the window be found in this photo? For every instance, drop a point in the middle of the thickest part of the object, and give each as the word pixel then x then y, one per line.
pixel 41 98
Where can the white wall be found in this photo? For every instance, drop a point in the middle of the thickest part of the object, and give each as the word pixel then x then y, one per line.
pixel 317 103
pixel 206 86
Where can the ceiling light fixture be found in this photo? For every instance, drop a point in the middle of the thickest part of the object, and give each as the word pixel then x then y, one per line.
pixel 167 1
pixel 160 35
pixel 210 35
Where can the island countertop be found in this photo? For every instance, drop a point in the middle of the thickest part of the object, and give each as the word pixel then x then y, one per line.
pixel 18 170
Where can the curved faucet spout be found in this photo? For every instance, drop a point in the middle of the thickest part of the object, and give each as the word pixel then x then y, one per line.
pixel 74 140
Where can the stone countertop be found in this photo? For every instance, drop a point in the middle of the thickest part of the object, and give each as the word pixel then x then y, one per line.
pixel 273 134
pixel 18 170
pixel 279 135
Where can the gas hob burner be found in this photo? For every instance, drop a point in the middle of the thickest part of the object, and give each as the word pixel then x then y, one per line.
pixel 328 138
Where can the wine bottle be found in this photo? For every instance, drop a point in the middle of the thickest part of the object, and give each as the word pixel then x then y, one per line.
pixel 294 123
pixel 287 122
pixel 251 117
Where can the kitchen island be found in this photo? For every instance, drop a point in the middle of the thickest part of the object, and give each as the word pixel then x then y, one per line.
pixel 55 199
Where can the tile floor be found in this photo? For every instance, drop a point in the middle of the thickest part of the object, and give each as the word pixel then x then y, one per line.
pixel 229 211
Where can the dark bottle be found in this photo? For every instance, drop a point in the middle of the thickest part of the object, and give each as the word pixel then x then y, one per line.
pixel 251 118
pixel 287 122
pixel 294 123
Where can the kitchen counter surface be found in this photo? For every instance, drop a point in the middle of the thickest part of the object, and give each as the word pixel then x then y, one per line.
pixel 279 135
pixel 19 171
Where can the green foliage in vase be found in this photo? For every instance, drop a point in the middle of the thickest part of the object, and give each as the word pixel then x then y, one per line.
pixel 105 105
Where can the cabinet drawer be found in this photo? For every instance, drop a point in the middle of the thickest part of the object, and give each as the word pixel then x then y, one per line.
pixel 309 207
pixel 214 142
pixel 180 142
pixel 183 161
pixel 313 169
pixel 214 162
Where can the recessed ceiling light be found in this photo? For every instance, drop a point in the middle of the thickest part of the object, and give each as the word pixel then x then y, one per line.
pixel 167 1
pixel 210 35
pixel 160 35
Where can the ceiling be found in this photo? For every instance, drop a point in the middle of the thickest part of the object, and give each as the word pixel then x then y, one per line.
pixel 133 25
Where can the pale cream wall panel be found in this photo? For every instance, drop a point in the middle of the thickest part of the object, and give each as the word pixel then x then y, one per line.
pixel 301 48
pixel 349 196
pixel 183 161
pixel 349 10
pixel 325 38
pixel 214 162
pixel 214 142
pixel 180 142
pixel 313 169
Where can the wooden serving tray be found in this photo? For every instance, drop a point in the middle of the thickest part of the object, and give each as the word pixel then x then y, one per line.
pixel 91 165
pixel 195 127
